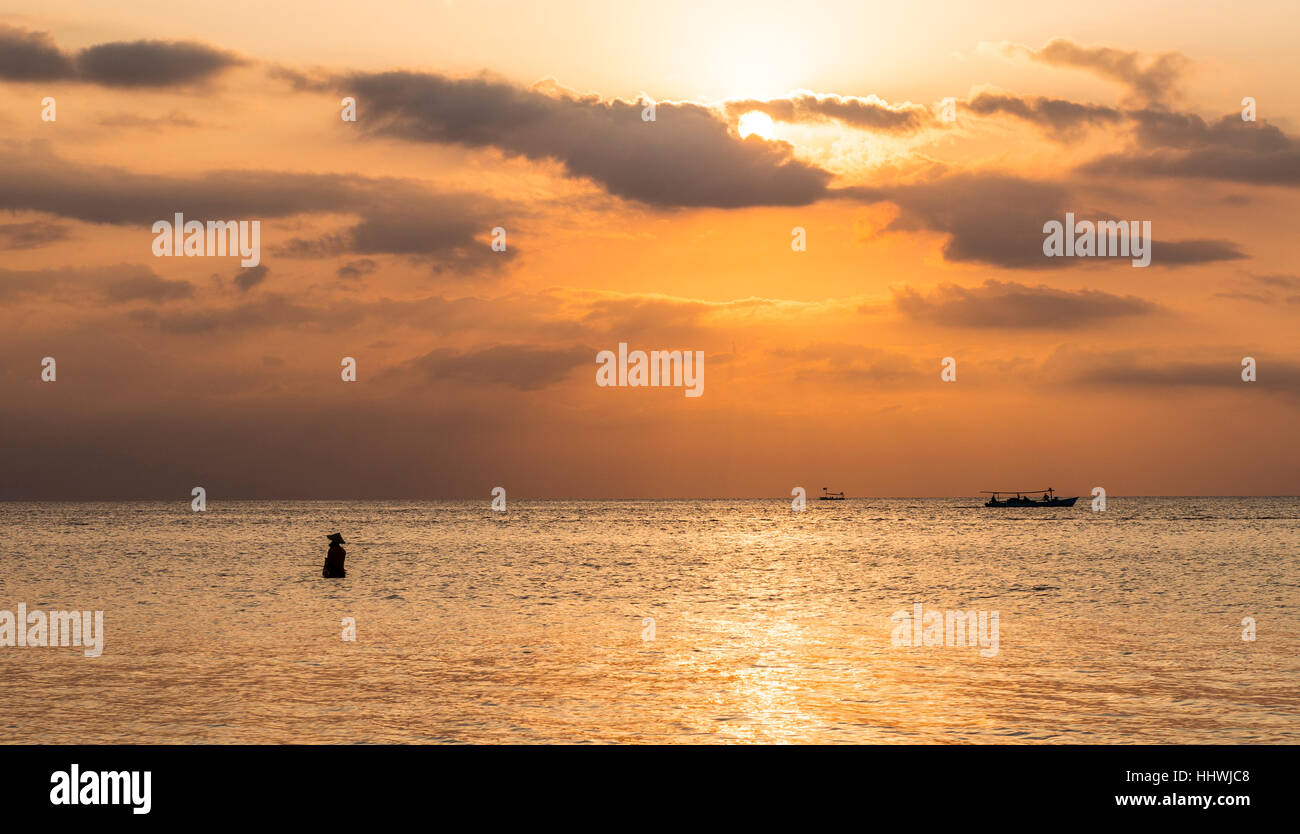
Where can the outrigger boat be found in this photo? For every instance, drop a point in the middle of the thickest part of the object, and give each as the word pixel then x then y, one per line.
pixel 831 496
pixel 1049 498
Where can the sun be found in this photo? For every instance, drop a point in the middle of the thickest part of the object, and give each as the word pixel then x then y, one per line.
pixel 757 123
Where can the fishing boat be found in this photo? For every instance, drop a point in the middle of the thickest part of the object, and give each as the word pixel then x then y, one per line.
pixel 827 495
pixel 1049 498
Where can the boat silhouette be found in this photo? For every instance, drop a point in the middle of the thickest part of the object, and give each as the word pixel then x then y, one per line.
pixel 1049 498
pixel 827 495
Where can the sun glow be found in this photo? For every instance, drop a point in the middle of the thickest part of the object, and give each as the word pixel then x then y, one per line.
pixel 756 123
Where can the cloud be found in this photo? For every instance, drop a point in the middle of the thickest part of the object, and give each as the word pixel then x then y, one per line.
pixel 988 218
pixel 1243 296
pixel 268 311
pixel 152 63
pixel 394 215
pixel 1150 80
pixel 539 316
pixel 686 157
pixel 849 365
pixel 1166 143
pixel 16 284
pixel 870 113
pixel 1184 145
pixel 1259 168
pixel 118 284
pixel 523 367
pixel 31 235
pixel 250 277
pixel 997 219
pixel 146 288
pixel 421 224
pixel 1165 129
pixel 1011 305
pixel 1187 252
pixel 1223 372
pixel 1060 119
pixel 130 120
pixel 34 179
pixel 1259 288
pixel 1278 280
pixel 409 220
pixel 34 56
pixel 354 270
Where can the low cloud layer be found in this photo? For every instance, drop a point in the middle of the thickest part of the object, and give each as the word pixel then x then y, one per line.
pixel 395 216
pixel 870 112
pixel 1059 118
pixel 31 235
pixel 34 56
pixel 1164 143
pixel 997 219
pixel 1184 145
pixel 1263 168
pixel 522 367
pixel 104 285
pixel 1275 376
pixel 686 157
pixel 1009 305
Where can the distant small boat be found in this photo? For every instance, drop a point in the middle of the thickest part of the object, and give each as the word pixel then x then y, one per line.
pixel 827 495
pixel 1049 498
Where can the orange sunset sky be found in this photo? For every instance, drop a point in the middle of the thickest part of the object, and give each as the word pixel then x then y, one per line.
pixel 477 368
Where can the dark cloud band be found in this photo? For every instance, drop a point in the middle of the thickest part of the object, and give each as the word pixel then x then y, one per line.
pixel 686 156
pixel 33 56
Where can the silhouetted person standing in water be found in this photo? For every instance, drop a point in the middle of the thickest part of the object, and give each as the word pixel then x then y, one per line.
pixel 334 558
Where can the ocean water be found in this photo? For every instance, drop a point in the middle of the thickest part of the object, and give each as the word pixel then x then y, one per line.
pixel 530 626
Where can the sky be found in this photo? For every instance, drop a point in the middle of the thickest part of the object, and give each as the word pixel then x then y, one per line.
pixel 917 150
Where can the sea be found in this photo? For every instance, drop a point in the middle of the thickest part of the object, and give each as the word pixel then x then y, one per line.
pixel 1155 621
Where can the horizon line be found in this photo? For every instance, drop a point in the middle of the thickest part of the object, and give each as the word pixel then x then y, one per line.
pixel 488 497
